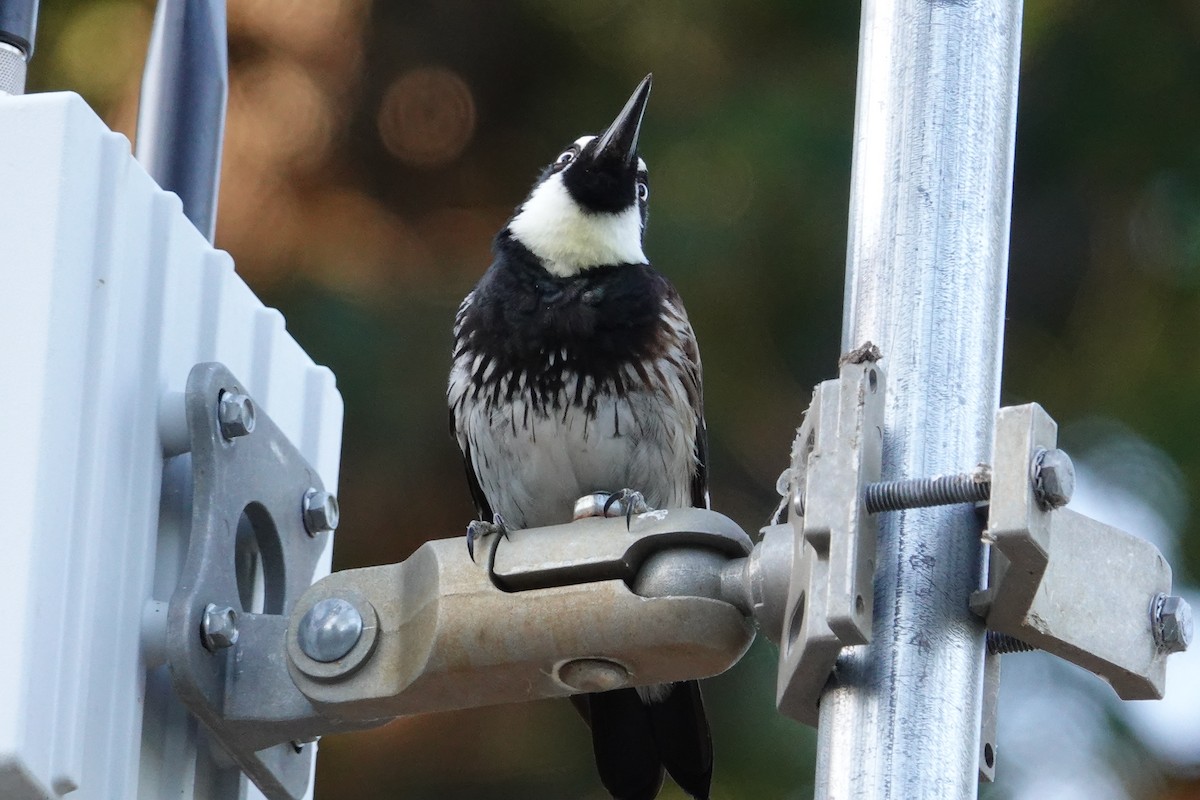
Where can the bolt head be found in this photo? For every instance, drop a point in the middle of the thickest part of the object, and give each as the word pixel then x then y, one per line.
pixel 330 629
pixel 1172 623
pixel 798 504
pixel 1053 478
pixel 218 627
pixel 235 413
pixel 321 512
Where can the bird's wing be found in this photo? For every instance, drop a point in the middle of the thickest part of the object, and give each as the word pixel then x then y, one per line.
pixel 700 497
pixel 692 376
pixel 482 506
pixel 456 395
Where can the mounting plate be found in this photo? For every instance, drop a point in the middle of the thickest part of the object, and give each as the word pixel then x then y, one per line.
pixel 246 506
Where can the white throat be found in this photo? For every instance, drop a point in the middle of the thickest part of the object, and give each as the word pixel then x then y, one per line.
pixel 569 240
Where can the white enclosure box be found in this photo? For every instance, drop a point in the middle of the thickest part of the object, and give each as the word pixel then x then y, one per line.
pixel 110 296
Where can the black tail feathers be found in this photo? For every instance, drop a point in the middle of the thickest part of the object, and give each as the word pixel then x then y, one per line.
pixel 635 740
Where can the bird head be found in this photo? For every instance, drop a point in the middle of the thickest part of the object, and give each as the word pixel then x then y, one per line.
pixel 588 208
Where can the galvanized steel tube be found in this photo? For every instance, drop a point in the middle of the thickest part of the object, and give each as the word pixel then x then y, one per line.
pixel 181 118
pixel 926 272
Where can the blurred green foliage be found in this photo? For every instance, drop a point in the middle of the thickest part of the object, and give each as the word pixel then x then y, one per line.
pixel 367 240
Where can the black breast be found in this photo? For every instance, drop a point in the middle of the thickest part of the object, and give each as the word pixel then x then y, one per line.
pixel 536 331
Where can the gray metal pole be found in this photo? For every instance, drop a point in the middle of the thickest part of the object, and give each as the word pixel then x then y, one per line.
pixel 926 271
pixel 181 118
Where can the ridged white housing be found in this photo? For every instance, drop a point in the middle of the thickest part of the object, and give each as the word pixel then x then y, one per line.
pixel 108 297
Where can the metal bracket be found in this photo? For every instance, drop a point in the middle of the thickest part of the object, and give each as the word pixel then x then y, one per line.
pixel 586 606
pixel 601 603
pixel 1066 583
pixel 836 454
pixel 248 507
pixel 988 717
pixel 1084 591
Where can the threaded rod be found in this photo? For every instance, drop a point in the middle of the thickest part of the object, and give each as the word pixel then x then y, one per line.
pixel 999 643
pixel 943 490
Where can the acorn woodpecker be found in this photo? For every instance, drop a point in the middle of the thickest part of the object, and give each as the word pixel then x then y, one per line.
pixel 575 370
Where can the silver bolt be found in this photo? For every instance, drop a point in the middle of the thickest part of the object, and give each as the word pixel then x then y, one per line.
pixel 1171 619
pixel 320 512
pixel 218 628
pixel 330 629
pixel 944 490
pixel 1053 478
pixel 235 412
pixel 299 744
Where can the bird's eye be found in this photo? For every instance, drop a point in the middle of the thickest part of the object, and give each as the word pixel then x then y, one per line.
pixel 566 158
pixel 643 191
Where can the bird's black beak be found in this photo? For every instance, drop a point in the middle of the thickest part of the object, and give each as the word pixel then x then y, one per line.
pixel 619 142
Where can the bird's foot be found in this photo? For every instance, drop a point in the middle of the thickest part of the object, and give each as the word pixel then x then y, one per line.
pixel 478 529
pixel 631 502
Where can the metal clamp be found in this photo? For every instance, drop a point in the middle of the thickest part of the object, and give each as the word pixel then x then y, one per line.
pixel 1087 592
pixel 837 453
pixel 1068 584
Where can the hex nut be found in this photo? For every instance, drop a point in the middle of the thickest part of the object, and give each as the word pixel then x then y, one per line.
pixel 1053 478
pixel 321 512
pixel 218 628
pixel 235 413
pixel 1172 623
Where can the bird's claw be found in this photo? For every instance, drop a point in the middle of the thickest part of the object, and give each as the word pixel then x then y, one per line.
pixel 631 500
pixel 478 529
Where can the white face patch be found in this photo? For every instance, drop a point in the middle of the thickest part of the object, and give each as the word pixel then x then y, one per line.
pixel 568 239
